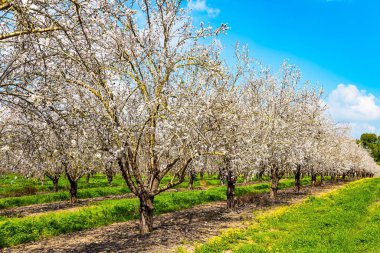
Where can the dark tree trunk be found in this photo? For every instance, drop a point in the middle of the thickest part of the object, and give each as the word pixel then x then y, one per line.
pixel 332 178
pixel 55 184
pixel 313 179
pixel 260 175
pixel 146 213
pixel 274 182
pixel 344 176
pixel 55 180
pixel 201 174
pixel 298 178
pixel 73 191
pixel 109 178
pixel 231 181
pixel 109 172
pixel 146 191
pixel 88 178
pixel 221 176
pixel 246 177
pixel 322 179
pixel 192 176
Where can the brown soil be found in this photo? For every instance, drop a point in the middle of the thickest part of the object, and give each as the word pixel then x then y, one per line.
pixel 182 228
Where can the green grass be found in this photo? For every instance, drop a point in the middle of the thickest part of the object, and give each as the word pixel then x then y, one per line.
pixel 347 220
pixel 21 230
pixel 60 196
pixel 15 185
pixel 91 191
pixel 97 187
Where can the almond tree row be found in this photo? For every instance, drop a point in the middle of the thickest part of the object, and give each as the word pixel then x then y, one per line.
pixel 88 83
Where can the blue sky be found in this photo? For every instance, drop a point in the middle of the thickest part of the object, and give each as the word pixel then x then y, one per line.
pixel 336 43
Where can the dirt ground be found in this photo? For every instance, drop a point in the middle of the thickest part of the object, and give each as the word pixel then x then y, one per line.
pixel 182 228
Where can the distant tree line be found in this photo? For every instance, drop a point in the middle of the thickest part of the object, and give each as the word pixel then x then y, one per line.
pixel 371 142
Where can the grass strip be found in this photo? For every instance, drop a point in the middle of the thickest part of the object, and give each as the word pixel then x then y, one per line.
pixel 60 196
pixel 84 193
pixel 346 220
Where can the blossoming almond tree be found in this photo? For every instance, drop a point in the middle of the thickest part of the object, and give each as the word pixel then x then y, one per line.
pixel 140 60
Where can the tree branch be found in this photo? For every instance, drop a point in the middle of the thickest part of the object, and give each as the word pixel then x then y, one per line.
pixel 33 31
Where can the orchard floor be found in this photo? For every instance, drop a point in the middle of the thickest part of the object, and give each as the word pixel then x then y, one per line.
pixel 65 205
pixel 54 206
pixel 172 230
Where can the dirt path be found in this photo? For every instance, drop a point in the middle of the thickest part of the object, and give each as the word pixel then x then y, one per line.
pixel 171 230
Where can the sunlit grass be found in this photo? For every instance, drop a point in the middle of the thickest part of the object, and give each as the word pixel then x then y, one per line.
pixel 347 220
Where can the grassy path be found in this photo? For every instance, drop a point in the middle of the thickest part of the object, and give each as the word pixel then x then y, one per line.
pixel 346 220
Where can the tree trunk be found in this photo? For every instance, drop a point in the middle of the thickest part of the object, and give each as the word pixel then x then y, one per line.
pixel 88 178
pixel 55 184
pixel 55 180
pixel 221 176
pixel 273 189
pixel 274 184
pixel 230 190
pixel 332 178
pixel 146 213
pixel 109 178
pixel 246 177
pixel 191 180
pixel 73 191
pixel 344 176
pixel 298 178
pixel 201 174
pixel 313 180
pixel 322 179
pixel 260 176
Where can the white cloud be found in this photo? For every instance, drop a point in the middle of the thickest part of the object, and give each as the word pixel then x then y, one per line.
pixel 201 6
pixel 354 108
pixel 348 103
